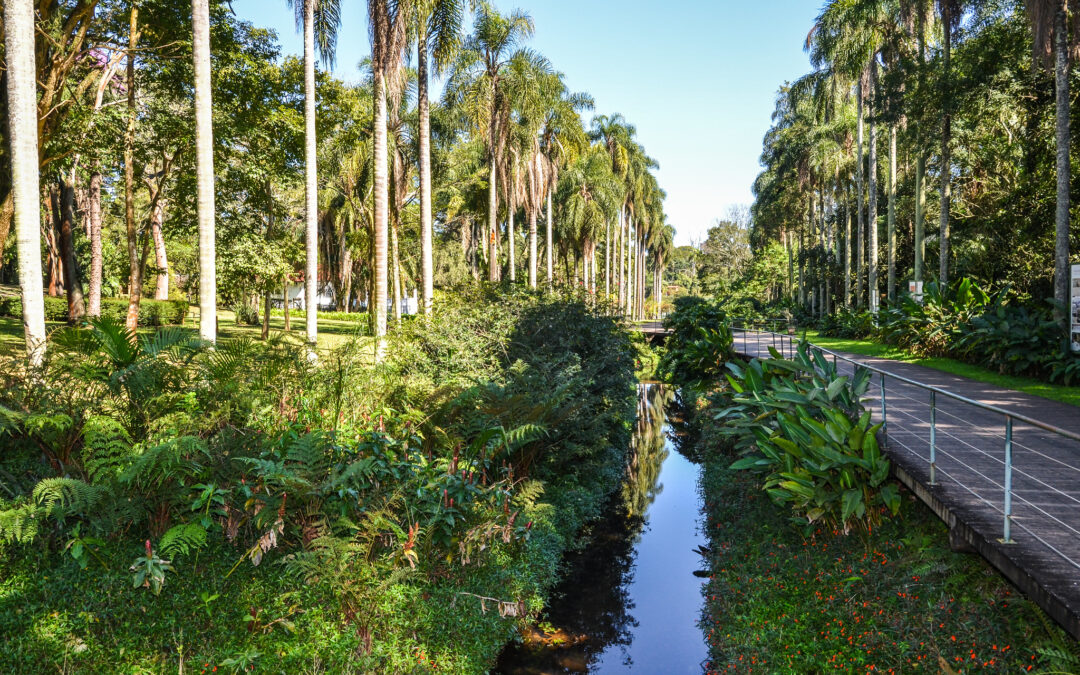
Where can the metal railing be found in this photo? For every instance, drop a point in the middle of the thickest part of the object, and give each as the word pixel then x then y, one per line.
pixel 1053 531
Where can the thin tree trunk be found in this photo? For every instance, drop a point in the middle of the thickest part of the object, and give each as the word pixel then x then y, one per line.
pixel 96 260
pixel 55 270
pixel 161 259
pixel 946 158
pixel 920 170
pixel 532 247
pixel 396 261
pixel 859 186
pixel 872 215
pixel 134 269
pixel 382 215
pixel 892 214
pixel 204 142
pixel 7 216
pixel 76 308
pixel 311 184
pixel 847 247
pixel 493 226
pixel 511 239
pixel 1061 215
pixel 285 305
pixel 607 258
pixel 547 252
pixel 427 269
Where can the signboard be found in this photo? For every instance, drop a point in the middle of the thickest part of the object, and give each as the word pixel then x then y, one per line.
pixel 1074 308
pixel 915 289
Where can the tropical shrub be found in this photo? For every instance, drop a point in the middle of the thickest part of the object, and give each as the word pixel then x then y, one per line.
pixel 802 426
pixel 151 312
pixel 700 342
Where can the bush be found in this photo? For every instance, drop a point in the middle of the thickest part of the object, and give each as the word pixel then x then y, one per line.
pixel 151 312
pixel 356 317
pixel 802 425
pixel 699 344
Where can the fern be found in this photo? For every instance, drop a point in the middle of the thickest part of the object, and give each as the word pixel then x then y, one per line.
pixel 106 448
pixel 19 524
pixel 528 493
pixel 60 497
pixel 182 539
pixel 175 458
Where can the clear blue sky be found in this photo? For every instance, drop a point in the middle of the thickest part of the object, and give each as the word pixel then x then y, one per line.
pixel 698 78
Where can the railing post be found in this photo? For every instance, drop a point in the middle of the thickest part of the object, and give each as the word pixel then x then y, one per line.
pixel 1007 538
pixel 933 437
pixel 884 410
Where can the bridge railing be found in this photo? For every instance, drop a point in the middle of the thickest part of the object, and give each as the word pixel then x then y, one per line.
pixel 1050 494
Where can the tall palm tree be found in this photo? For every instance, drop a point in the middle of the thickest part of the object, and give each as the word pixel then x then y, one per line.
pixel 1053 44
pixel 562 139
pixel 319 21
pixel 438 34
pixel 204 169
pixel 25 185
pixel 476 86
pixel 387 21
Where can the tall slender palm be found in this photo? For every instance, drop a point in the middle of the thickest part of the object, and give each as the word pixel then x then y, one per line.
pixel 25 185
pixel 476 86
pixel 387 21
pixel 562 139
pixel 1053 44
pixel 438 34
pixel 916 16
pixel 204 169
pixel 319 21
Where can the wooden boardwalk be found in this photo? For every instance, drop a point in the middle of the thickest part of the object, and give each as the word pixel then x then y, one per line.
pixel 1043 559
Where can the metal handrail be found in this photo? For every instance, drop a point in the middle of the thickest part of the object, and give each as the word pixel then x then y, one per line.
pixel 1010 416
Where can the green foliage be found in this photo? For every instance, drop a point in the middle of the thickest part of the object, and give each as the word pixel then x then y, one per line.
pixel 802 426
pixel 151 312
pixel 699 344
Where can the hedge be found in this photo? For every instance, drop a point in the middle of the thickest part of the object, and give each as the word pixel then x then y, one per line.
pixel 151 312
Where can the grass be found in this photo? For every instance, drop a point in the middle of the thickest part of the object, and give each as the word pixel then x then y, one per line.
pixel 1027 385
pixel 781 599
pixel 331 333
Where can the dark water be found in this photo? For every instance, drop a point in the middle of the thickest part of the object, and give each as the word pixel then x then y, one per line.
pixel 630 601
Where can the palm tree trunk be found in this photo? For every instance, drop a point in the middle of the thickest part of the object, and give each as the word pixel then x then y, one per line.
pixel 859 186
pixel 382 215
pixel 134 268
pixel 532 247
pixel 493 226
pixel 204 143
pixel 76 308
pixel 872 214
pixel 427 269
pixel 547 251
pixel 847 246
pixel 607 258
pixel 396 272
pixel 1061 216
pixel 161 259
pixel 946 159
pixel 311 184
pixel 285 305
pixel 96 260
pixel 892 214
pixel 920 170
pixel 511 239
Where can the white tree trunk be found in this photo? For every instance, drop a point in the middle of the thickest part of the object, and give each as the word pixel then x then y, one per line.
pixel 427 269
pixel 550 268
pixel 161 260
pixel 493 211
pixel 311 185
pixel 382 214
pixel 204 160
pixel 532 248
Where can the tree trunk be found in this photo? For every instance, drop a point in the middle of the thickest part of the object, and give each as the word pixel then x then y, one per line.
pixel 76 308
pixel 532 248
pixel 55 269
pixel 511 239
pixel 204 143
pixel 427 270
pixel 285 305
pixel 547 252
pixel 847 246
pixel 607 258
pixel 382 215
pixel 161 259
pixel 892 214
pixel 96 260
pixel 1061 215
pixel 946 159
pixel 859 186
pixel 396 285
pixel 7 215
pixel 134 268
pixel 920 170
pixel 872 215
pixel 311 185
pixel 493 226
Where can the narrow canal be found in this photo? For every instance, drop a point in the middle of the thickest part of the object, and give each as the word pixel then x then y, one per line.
pixel 630 601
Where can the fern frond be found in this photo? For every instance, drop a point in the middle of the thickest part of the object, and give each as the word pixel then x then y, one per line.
pixel 106 448
pixel 181 540
pixel 59 497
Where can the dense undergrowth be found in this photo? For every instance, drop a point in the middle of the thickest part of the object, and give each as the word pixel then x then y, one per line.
pixel 165 504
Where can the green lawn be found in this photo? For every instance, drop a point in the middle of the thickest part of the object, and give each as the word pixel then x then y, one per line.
pixel 1027 385
pixel 331 333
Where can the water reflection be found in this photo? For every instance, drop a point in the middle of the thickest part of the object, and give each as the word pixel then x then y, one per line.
pixel 629 601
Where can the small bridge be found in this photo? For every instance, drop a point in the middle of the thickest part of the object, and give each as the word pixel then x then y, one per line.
pixel 654 330
pixel 1000 468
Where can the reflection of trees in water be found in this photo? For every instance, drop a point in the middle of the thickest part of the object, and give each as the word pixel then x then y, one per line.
pixel 592 601
pixel 647 450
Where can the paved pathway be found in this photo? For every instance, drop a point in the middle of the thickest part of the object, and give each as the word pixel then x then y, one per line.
pixel 1044 560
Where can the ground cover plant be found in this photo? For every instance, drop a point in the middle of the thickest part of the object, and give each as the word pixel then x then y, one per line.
pixel 166 504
